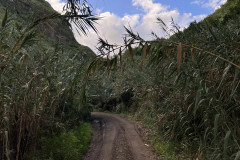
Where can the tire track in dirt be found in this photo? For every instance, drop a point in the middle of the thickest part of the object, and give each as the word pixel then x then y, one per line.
pixel 115 138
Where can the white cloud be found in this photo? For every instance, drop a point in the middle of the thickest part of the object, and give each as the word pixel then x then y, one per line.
pixel 149 6
pixel 110 27
pixel 199 17
pixel 155 10
pixel 198 2
pixel 56 4
pixel 213 4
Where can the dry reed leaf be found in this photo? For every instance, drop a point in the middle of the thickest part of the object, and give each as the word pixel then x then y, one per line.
pixel 130 51
pixel 192 53
pixel 179 57
pixel 15 47
pixel 144 54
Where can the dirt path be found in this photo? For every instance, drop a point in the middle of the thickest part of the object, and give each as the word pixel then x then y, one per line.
pixel 115 138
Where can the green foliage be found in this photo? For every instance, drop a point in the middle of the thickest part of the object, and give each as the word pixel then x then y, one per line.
pixel 68 145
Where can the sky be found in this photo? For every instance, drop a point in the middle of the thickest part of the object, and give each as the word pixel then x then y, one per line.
pixel 141 16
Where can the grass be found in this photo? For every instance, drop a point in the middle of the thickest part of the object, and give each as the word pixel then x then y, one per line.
pixel 170 150
pixel 67 145
pixel 167 150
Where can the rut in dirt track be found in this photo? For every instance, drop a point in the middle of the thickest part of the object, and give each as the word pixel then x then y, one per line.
pixel 115 138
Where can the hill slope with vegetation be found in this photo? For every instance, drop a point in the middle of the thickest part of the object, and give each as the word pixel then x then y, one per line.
pixel 25 12
pixel 228 11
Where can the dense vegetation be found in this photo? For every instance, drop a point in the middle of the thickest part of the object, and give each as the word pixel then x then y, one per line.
pixel 227 12
pixel 41 81
pixel 185 88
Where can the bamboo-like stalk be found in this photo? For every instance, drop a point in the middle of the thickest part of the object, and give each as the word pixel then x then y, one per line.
pixel 19 136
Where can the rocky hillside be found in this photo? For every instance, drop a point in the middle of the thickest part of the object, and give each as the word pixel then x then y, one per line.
pixel 26 11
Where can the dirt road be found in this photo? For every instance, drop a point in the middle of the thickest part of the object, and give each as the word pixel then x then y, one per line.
pixel 115 138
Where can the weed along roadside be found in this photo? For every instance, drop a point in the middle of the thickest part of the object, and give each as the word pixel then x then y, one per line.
pixel 69 145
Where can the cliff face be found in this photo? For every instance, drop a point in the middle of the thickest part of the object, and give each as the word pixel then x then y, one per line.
pixel 26 11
